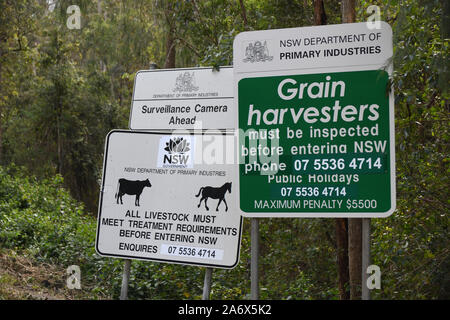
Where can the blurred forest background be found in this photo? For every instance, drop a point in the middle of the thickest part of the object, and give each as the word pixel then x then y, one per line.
pixel 62 90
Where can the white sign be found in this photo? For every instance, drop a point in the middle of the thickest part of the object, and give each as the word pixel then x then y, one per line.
pixel 161 202
pixel 337 46
pixel 197 98
pixel 315 114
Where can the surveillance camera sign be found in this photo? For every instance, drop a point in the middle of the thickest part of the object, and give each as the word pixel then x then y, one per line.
pixel 165 198
pixel 187 98
pixel 316 120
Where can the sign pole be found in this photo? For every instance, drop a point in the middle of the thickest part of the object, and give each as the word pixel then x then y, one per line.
pixel 254 258
pixel 125 280
pixel 127 263
pixel 365 257
pixel 207 284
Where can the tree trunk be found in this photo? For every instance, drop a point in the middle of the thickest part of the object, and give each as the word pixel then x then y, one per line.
pixel 170 49
pixel 59 139
pixel 170 41
pixel 1 136
pixel 348 11
pixel 1 122
pixel 355 257
pixel 243 14
pixel 342 257
pixel 354 224
pixel 320 18
pixel 445 25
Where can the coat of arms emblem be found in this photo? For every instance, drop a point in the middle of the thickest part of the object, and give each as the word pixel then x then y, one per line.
pixel 256 52
pixel 185 82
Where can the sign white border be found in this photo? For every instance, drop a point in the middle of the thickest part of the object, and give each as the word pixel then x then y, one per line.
pixel 168 260
pixel 155 125
pixel 308 69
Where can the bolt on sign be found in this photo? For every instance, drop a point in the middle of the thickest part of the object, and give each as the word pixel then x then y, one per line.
pixel 195 98
pixel 167 198
pixel 316 120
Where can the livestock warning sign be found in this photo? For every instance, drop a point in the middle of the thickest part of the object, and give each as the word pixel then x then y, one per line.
pixel 186 98
pixel 316 120
pixel 164 199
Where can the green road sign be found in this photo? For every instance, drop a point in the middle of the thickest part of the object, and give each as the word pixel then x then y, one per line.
pixel 316 144
pixel 316 121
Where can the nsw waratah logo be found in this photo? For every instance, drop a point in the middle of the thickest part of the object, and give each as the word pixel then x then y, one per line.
pixel 177 145
pixel 175 152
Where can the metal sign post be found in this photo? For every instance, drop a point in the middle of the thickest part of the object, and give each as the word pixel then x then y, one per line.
pixel 365 257
pixel 207 284
pixel 127 262
pixel 125 279
pixel 254 259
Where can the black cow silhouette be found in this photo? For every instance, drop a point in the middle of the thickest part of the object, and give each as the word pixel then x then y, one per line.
pixel 215 193
pixel 130 187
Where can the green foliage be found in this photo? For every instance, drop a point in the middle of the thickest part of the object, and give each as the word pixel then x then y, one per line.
pixel 41 217
pixel 412 246
pixel 62 90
